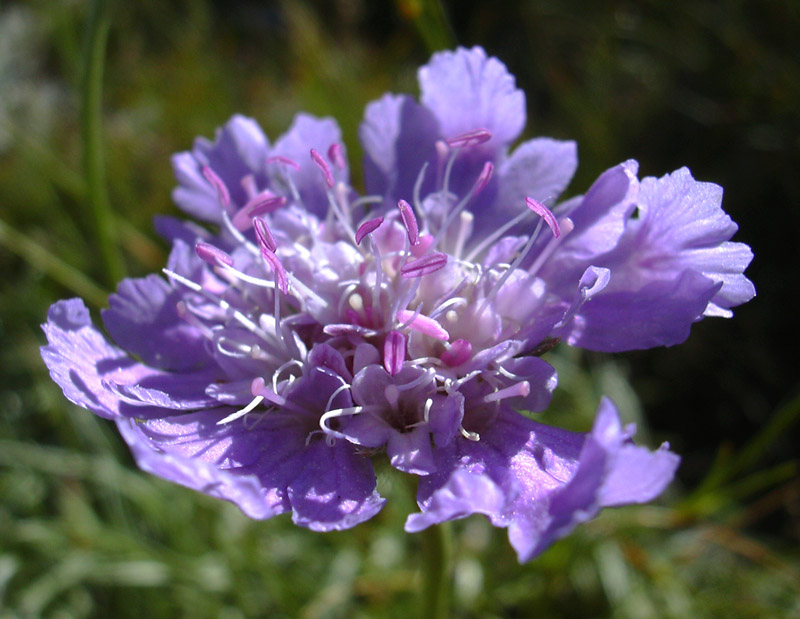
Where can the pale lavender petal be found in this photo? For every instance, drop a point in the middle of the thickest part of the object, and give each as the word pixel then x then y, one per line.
pixel 240 148
pixel 306 133
pixel 398 137
pixel 541 168
pixel 682 225
pixel 467 90
pixel 658 314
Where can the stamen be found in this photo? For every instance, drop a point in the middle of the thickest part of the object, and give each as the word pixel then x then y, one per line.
pixel 426 360
pixel 426 413
pixel 242 412
pixel 409 221
pixel 459 352
pixel 448 305
pixel 480 184
pixel 265 202
pixel 348 329
pixel 470 436
pixel 341 412
pixel 484 177
pixel 366 228
pixel 222 303
pixel 323 165
pixel 394 352
pixel 283 368
pixel 494 236
pixel 281 278
pixel 593 280
pixel 426 377
pixel 542 211
pixel 336 392
pixel 336 155
pixel 259 388
pixel 470 138
pixel 264 235
pixel 249 185
pixel 223 195
pixel 566 226
pixel 430 263
pixel 213 255
pixel 507 273
pixel 376 290
pixel 519 389
pixel 464 229
pixel 418 185
pixel 423 324
pixel 284 160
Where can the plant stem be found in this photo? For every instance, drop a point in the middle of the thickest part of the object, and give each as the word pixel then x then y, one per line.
pixel 436 571
pixel 104 229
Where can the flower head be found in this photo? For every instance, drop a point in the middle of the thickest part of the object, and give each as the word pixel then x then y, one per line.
pixel 307 328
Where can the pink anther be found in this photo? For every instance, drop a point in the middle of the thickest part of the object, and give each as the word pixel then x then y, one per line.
pixel 409 221
pixel 545 213
pixel 424 324
pixel 223 195
pixel 429 263
pixel 394 352
pixel 366 228
pixel 213 255
pixel 323 165
pixel 470 138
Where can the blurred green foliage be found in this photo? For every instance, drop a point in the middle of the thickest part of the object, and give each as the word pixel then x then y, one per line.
pixel 712 85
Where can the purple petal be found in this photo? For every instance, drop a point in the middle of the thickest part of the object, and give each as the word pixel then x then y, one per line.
pixel 80 359
pixel 411 452
pixel 682 225
pixel 306 133
pixel 239 487
pixel 611 471
pixel 599 218
pixel 240 148
pixel 659 314
pixel 540 481
pixel 467 90
pixel 143 319
pixel 336 489
pixel 398 137
pixel 541 168
pixel 465 494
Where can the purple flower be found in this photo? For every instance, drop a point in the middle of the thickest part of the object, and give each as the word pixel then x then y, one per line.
pixel 307 329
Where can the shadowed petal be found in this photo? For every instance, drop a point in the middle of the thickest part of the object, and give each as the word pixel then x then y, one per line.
pixel 80 359
pixel 336 489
